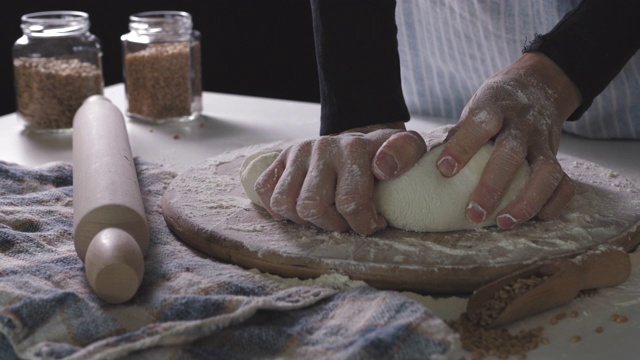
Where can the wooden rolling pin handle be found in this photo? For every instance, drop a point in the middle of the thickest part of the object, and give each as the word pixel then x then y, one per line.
pixel 114 265
pixel 111 234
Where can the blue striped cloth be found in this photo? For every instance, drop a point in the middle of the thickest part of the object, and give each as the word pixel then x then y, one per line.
pixel 449 48
pixel 189 306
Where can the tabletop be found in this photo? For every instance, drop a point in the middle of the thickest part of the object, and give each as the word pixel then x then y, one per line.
pixel 230 122
pixel 233 121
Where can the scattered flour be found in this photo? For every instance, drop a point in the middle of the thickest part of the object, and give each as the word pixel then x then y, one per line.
pixel 603 207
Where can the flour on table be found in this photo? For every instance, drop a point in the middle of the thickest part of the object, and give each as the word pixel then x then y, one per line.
pixel 222 220
pixel 419 200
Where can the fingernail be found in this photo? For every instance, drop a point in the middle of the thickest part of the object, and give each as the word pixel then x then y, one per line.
pixel 506 221
pixel 386 165
pixel 447 166
pixel 475 213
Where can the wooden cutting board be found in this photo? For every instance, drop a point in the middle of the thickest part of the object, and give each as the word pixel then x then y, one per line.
pixel 207 209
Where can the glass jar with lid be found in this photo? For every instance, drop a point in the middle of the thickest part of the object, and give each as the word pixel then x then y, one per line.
pixel 57 64
pixel 162 67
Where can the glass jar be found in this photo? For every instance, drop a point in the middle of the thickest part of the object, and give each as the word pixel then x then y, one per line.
pixel 57 64
pixel 161 65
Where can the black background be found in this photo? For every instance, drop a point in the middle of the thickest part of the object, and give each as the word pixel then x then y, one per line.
pixel 249 47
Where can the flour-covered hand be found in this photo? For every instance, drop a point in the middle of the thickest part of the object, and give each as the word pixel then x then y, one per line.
pixel 522 109
pixel 329 181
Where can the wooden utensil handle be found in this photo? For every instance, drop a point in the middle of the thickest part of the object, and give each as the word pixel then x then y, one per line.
pixel 603 267
pixel 114 265
pixel 106 195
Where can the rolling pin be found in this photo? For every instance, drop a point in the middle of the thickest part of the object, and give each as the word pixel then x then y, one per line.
pixel 110 229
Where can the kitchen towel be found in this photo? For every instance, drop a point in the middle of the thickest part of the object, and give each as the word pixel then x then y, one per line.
pixel 189 306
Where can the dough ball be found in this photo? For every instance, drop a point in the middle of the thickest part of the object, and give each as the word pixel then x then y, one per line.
pixel 251 169
pixel 423 200
pixel 419 200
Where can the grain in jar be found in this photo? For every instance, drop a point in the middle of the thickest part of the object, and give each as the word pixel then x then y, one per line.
pixel 162 67
pixel 57 64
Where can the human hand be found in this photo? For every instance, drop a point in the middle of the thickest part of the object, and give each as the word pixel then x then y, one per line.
pixel 328 182
pixel 522 108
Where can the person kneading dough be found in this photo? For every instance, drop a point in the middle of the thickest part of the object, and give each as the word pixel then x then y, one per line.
pixel 404 202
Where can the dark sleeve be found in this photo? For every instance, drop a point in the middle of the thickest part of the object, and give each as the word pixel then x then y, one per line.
pixel 358 63
pixel 592 43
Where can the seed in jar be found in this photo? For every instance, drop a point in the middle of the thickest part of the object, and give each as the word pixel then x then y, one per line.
pixel 599 330
pixel 158 80
pixel 49 91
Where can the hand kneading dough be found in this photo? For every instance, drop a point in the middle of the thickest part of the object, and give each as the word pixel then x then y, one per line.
pixel 420 199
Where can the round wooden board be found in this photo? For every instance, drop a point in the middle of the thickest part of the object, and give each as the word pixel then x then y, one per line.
pixel 207 209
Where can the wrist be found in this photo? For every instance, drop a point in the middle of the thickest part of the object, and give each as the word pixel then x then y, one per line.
pixel 565 96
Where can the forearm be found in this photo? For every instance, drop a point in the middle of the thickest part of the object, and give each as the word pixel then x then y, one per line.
pixel 555 88
pixel 358 64
pixel 591 44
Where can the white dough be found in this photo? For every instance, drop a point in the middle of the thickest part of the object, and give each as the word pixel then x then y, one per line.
pixel 423 200
pixel 419 200
pixel 251 169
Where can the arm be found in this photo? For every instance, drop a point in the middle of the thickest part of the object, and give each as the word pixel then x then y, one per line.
pixel 591 44
pixel 555 79
pixel 358 64
pixel 328 182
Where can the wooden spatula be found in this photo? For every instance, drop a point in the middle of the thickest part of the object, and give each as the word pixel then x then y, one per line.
pixel 546 285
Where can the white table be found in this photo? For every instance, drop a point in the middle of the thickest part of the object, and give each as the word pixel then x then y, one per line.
pixel 231 122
